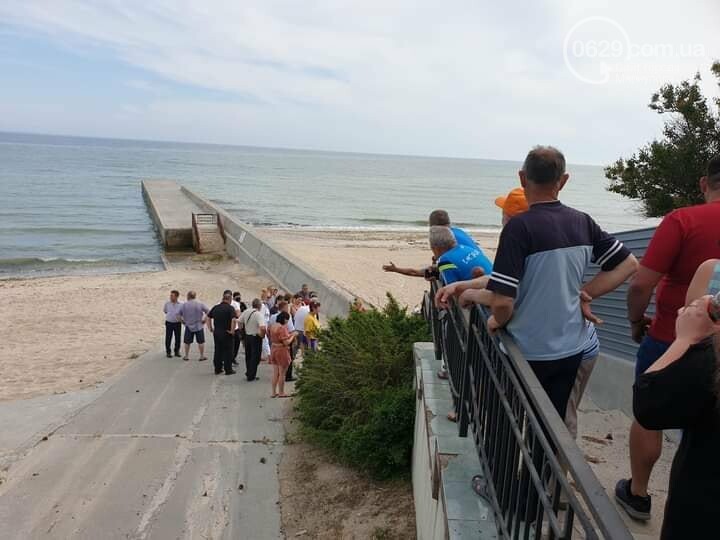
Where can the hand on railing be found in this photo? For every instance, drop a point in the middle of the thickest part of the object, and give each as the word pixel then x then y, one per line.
pixel 442 297
pixel 493 325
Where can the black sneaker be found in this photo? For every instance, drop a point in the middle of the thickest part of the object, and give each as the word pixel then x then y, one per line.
pixel 636 507
pixel 218 372
pixel 231 372
pixel 169 355
pixel 177 354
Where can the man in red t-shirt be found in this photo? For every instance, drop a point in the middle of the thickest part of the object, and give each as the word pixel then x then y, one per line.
pixel 684 240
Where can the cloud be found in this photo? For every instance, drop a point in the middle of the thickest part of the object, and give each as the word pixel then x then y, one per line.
pixel 466 78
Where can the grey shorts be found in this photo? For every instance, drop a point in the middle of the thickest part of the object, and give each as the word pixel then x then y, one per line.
pixel 198 335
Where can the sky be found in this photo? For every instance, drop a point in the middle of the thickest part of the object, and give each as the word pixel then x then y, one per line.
pixel 461 78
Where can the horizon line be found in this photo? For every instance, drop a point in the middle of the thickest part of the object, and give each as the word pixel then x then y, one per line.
pixel 286 148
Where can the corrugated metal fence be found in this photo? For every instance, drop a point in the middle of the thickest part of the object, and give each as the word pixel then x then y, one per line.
pixel 612 308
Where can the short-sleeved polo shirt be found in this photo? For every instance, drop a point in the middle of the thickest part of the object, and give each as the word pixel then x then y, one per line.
pixel 541 261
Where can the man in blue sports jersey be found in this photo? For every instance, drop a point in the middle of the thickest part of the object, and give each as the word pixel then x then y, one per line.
pixel 442 219
pixel 456 262
pixel 541 260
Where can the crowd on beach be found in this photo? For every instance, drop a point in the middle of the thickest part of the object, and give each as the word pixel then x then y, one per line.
pixel 275 328
pixel 535 290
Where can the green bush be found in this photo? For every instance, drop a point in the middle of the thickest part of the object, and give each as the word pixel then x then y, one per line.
pixel 355 395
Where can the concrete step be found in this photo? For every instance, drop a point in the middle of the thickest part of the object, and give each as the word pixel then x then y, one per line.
pixel 207 234
pixel 210 240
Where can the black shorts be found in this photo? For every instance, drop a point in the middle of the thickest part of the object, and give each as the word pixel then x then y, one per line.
pixel 198 335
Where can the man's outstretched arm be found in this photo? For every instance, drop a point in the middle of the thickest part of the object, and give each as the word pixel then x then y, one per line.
pixel 412 272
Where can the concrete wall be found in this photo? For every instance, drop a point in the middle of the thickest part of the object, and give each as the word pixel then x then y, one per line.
pixel 610 385
pixel 444 463
pixel 255 250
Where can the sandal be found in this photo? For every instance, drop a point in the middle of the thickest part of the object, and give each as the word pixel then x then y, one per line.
pixel 452 416
pixel 274 396
pixel 186 358
pixel 202 359
pixel 479 485
pixel 283 396
pixel 443 374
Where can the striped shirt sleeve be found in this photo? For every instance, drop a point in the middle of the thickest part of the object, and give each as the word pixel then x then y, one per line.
pixel 509 265
pixel 608 252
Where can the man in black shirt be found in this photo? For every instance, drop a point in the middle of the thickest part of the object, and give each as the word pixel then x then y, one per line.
pixel 222 322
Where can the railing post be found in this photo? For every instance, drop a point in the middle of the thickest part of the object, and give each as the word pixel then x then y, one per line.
pixel 464 400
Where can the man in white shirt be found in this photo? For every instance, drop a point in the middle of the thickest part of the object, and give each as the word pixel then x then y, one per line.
pixel 237 299
pixel 235 304
pixel 300 316
pixel 173 326
pixel 255 327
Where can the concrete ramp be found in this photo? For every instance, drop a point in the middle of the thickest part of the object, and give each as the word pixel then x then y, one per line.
pixel 169 451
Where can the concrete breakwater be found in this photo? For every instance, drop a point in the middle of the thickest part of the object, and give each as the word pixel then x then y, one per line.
pixel 171 207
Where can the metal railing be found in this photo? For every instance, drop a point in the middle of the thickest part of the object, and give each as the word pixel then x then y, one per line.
pixel 528 457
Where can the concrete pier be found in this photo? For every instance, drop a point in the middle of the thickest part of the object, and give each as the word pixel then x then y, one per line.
pixel 171 210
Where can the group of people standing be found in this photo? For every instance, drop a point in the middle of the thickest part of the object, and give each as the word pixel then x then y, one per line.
pixel 275 328
pixel 535 290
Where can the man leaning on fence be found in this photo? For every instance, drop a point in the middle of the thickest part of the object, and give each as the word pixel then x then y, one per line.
pixel 538 273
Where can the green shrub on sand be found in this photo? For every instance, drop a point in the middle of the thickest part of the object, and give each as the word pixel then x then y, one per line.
pixel 355 395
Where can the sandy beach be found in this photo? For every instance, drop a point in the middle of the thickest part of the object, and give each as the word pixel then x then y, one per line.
pixel 72 332
pixel 354 259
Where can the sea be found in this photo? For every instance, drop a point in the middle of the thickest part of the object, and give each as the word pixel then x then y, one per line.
pixel 73 205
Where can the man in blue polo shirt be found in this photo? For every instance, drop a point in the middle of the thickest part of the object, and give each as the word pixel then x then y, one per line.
pixel 440 218
pixel 538 273
pixel 455 261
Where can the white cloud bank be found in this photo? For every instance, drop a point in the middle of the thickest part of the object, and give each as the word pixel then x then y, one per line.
pixel 464 78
